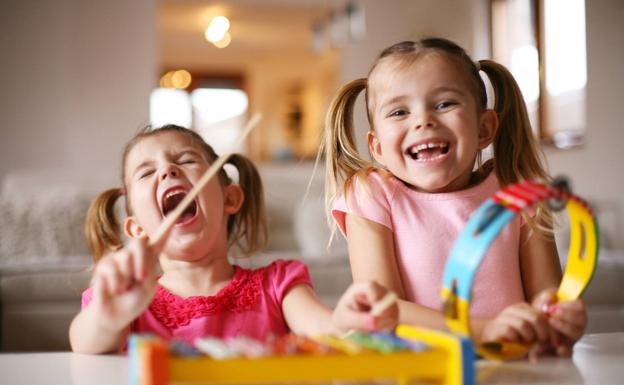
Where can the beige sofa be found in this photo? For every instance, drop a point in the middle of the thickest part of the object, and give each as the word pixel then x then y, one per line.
pixel 44 262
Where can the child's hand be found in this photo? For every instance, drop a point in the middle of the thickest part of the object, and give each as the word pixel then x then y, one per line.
pixel 353 310
pixel 124 283
pixel 517 323
pixel 567 320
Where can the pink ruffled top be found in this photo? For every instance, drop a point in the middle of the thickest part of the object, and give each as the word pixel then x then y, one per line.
pixel 250 305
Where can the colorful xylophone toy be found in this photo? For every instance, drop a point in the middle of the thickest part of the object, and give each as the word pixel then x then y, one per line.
pixel 408 354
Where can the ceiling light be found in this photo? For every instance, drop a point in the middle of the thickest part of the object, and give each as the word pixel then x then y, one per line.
pixel 181 79
pixel 224 42
pixel 217 29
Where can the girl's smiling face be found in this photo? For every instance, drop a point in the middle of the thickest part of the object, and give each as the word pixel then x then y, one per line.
pixel 427 125
pixel 160 170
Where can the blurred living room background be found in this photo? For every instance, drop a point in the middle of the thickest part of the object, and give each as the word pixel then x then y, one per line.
pixel 80 78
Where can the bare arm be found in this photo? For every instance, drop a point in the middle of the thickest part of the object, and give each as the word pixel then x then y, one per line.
pixel 372 257
pixel 88 334
pixel 539 263
pixel 305 314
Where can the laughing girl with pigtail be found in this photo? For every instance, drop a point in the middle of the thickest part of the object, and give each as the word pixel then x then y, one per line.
pixel 401 213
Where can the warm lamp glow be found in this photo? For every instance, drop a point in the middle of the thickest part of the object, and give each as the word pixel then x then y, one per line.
pixel 181 79
pixel 224 42
pixel 176 79
pixel 217 29
pixel 165 80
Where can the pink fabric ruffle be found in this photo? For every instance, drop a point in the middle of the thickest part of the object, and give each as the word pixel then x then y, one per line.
pixel 239 295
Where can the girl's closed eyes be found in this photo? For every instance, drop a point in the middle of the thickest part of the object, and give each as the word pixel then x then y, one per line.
pixel 146 173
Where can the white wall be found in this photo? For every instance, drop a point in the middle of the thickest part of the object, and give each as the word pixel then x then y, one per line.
pixel 597 169
pixel 76 77
pixel 389 22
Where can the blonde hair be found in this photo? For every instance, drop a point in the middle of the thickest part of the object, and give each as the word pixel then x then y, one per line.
pixel 246 229
pixel 517 155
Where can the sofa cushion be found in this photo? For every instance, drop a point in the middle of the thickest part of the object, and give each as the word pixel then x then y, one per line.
pixel 284 188
pixel 38 306
pixel 607 284
pixel 44 286
pixel 312 230
pixel 42 227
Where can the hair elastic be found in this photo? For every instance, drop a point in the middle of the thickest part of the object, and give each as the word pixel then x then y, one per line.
pixel 490 97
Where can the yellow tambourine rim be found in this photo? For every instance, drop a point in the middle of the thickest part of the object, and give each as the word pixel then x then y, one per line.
pixel 580 266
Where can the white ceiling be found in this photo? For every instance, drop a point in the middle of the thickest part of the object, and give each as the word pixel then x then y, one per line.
pixel 258 27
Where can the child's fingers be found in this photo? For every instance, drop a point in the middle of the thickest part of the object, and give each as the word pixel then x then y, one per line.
pixel 501 331
pixel 564 350
pixel 362 299
pixel 386 312
pixel 510 334
pixel 348 314
pixel 571 331
pixel 142 259
pixel 569 318
pixel 573 312
pixel 109 276
pixel 117 271
pixel 524 330
pixel 544 299
pixel 363 321
pixel 530 324
pixel 560 344
pixel 369 322
pixel 125 268
pixel 366 294
pixel 373 291
pixel 98 294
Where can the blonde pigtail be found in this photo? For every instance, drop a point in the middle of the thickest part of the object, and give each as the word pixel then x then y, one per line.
pixel 517 153
pixel 248 228
pixel 102 226
pixel 342 160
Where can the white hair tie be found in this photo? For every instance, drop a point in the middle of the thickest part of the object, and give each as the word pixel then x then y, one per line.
pixel 489 89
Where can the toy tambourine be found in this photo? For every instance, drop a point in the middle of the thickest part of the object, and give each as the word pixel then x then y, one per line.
pixel 485 225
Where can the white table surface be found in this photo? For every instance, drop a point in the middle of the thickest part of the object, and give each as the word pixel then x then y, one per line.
pixel 598 359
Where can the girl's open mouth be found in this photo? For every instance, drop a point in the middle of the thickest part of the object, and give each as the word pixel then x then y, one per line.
pixel 172 199
pixel 427 152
